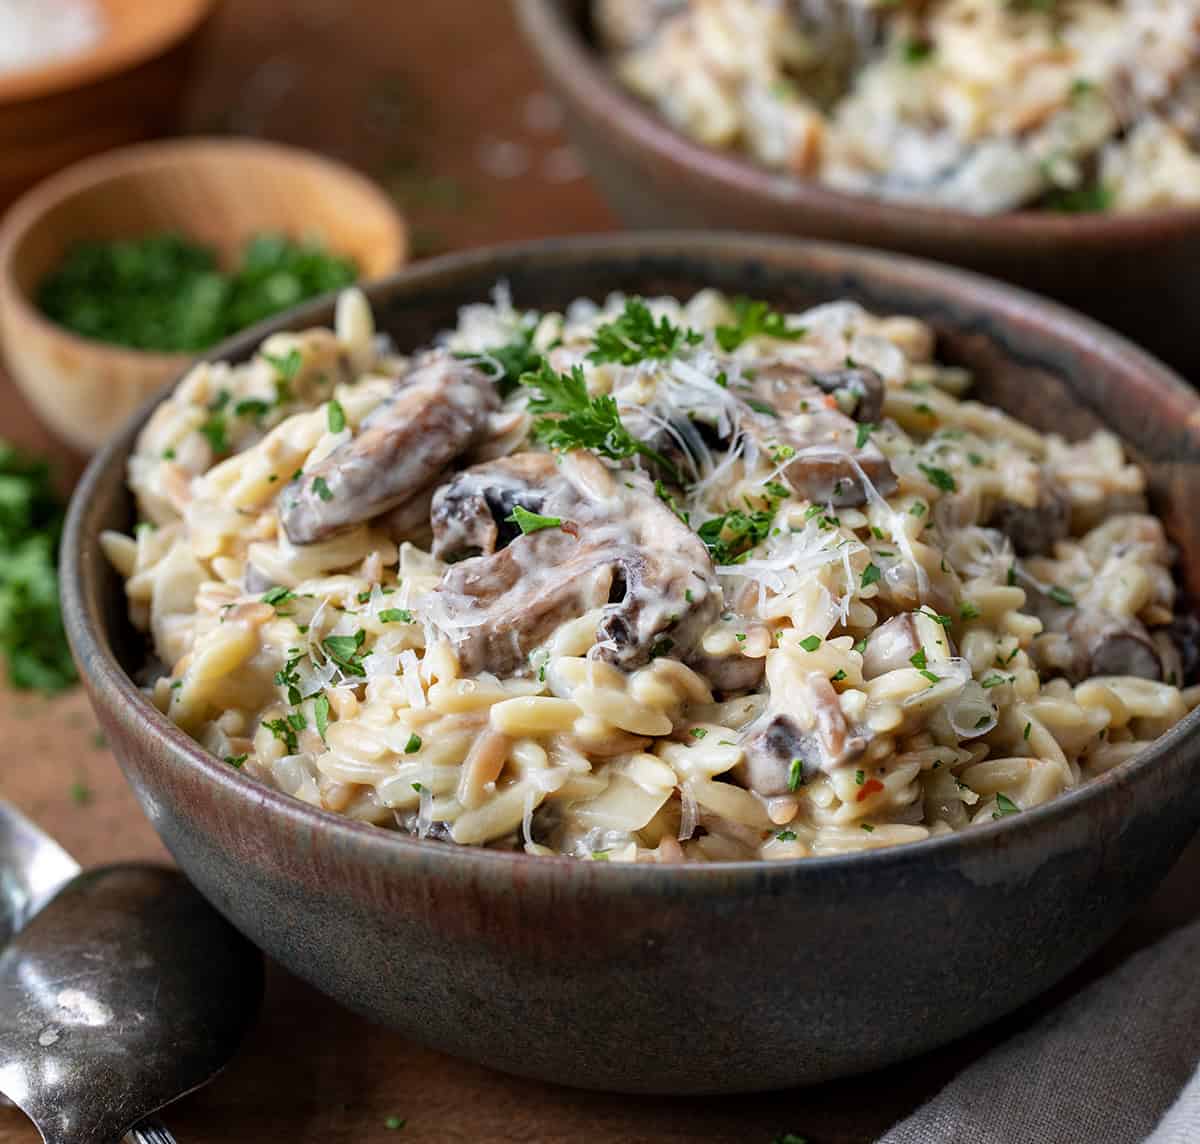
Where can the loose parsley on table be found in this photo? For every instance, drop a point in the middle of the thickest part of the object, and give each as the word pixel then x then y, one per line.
pixel 32 640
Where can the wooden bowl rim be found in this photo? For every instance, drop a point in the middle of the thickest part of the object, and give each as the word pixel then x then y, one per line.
pixel 105 58
pixel 114 691
pixel 80 178
pixel 577 68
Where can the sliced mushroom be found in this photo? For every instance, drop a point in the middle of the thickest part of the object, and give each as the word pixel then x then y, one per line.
pixel 439 410
pixel 1080 642
pixel 858 391
pixel 470 514
pixel 892 645
pixel 734 672
pixel 790 407
pixel 770 752
pixel 1034 529
pixel 618 548
pixel 1114 646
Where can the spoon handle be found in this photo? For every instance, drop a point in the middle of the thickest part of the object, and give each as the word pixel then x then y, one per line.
pixel 149 1131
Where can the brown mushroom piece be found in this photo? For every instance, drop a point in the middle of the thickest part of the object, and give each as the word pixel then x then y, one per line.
pixel 1081 642
pixel 893 644
pixel 1114 646
pixel 618 547
pixel 788 407
pixel 735 672
pixel 471 514
pixel 1034 529
pixel 438 411
pixel 779 741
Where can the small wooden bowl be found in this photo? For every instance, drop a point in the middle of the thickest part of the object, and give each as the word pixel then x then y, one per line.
pixel 126 88
pixel 216 191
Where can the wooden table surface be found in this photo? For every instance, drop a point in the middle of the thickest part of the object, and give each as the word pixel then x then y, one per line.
pixel 446 112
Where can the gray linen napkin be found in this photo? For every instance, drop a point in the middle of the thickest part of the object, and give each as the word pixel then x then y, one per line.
pixel 1112 1065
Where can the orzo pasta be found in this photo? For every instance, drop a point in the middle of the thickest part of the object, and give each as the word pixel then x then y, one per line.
pixel 979 105
pixel 645 581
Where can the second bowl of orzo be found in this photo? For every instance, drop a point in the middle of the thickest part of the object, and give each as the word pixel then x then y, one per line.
pixel 667 631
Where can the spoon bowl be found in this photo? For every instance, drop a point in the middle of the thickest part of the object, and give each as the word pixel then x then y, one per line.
pixel 32 868
pixel 122 994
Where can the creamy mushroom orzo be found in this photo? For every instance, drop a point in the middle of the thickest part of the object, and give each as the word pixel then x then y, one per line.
pixel 979 105
pixel 645 581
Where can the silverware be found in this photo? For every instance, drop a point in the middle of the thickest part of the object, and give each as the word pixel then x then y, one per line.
pixel 125 991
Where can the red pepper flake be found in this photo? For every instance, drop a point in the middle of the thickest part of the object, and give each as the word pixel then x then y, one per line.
pixel 869 788
pixel 830 401
pixel 570 528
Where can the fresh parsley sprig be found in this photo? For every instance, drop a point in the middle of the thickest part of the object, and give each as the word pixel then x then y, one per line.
pixel 635 336
pixel 753 319
pixel 568 418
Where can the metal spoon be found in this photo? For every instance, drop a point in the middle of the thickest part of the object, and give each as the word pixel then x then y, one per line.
pixel 122 994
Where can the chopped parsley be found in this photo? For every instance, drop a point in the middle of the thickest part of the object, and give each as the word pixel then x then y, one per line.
pixel 1027 732
pixel 994 681
pixel 730 537
pixel 529 522
pixel 837 676
pixel 284 732
pixel 917 659
pixel 810 643
pixel 1004 805
pixel 395 616
pixel 288 677
pixel 515 358
pixel 394 1123
pixel 754 319
pixel 868 828
pixel 762 407
pixel 871 575
pixel 916 51
pixel 322 489
pixel 345 651
pixel 865 429
pixel 252 407
pixel 698 732
pixel 213 428
pixel 786 836
pixel 860 777
pixel 796 774
pixel 568 418
pixel 917 508
pixel 1079 200
pixel 1061 596
pixel 939 478
pixel 277 595
pixel 236 761
pixel 635 336
pixel 335 416
pixel 968 610
pixel 413 745
pixel 321 714
pixel 287 365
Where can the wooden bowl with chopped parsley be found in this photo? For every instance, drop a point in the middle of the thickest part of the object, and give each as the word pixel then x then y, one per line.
pixel 116 272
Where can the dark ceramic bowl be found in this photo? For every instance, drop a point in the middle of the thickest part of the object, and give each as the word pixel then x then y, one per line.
pixel 700 978
pixel 1137 272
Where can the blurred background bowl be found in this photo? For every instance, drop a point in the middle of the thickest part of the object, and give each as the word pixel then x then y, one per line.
pixel 1137 272
pixel 219 192
pixel 127 88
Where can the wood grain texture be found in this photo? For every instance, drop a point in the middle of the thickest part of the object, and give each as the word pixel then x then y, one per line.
pixel 312 1072
pixel 219 192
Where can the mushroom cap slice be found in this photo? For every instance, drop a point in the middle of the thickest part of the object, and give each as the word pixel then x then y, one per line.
pixel 617 548
pixel 438 411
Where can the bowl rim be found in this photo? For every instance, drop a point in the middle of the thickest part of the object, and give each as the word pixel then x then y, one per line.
pixel 104 59
pixel 86 175
pixel 577 68
pixel 114 691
